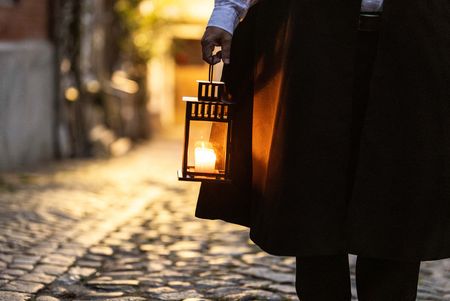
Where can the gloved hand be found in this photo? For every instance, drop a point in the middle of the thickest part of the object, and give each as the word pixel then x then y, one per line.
pixel 215 36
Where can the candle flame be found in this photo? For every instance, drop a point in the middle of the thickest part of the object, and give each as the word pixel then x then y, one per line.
pixel 205 157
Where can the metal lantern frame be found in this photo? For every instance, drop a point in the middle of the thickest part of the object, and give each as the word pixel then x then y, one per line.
pixel 210 106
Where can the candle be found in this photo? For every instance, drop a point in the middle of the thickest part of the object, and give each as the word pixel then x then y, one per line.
pixel 205 157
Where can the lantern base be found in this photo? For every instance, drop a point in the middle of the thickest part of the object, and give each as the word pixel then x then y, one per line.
pixel 210 179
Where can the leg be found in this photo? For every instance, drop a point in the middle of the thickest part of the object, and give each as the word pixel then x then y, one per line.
pixel 386 280
pixel 323 278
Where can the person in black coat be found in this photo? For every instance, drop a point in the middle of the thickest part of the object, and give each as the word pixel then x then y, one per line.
pixel 341 138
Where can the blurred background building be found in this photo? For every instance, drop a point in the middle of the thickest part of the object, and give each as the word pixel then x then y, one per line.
pixel 26 83
pixel 85 78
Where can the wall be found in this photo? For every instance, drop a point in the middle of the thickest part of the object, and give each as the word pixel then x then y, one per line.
pixel 28 19
pixel 26 97
pixel 26 85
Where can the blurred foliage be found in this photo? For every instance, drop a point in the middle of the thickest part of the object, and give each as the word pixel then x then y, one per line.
pixel 144 20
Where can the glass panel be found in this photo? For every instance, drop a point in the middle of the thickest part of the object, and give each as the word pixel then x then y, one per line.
pixel 207 147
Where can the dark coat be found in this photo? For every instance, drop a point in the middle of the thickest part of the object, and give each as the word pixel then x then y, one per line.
pixel 292 75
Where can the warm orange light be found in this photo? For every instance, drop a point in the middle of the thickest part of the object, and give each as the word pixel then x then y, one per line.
pixel 121 82
pixel 146 7
pixel 93 86
pixel 71 94
pixel 205 157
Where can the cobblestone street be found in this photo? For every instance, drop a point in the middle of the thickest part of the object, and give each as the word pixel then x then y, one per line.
pixel 124 229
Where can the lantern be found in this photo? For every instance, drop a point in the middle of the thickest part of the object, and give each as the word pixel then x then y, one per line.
pixel 207 142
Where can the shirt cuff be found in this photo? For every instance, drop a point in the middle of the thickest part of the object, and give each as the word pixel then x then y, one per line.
pixel 224 17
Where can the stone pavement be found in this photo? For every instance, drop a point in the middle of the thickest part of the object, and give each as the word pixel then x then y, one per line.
pixel 123 229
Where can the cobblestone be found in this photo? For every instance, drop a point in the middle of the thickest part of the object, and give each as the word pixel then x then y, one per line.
pixel 23 286
pixel 46 298
pixel 12 296
pixel 124 230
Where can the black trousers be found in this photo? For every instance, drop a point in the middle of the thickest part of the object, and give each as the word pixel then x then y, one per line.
pixel 327 278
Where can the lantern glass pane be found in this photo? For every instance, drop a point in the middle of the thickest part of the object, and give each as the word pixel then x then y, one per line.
pixel 207 149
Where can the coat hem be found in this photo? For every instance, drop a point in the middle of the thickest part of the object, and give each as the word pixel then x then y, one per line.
pixel 296 252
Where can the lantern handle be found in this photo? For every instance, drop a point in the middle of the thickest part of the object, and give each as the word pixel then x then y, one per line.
pixel 211 73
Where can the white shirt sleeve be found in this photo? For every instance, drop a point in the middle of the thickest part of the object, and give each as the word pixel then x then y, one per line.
pixel 371 5
pixel 228 13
